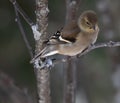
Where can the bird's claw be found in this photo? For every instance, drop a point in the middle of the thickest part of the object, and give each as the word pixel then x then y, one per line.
pixel 47 63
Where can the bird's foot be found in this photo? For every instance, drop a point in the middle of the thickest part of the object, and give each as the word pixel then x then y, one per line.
pixel 41 64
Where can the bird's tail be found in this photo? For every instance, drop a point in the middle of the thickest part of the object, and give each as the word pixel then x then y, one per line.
pixel 47 51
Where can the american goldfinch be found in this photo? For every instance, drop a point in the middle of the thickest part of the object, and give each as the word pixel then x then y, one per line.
pixel 75 37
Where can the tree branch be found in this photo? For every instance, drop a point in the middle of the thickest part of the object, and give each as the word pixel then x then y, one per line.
pixel 71 8
pixel 70 70
pixel 100 45
pixel 18 8
pixel 109 44
pixel 42 76
pixel 70 81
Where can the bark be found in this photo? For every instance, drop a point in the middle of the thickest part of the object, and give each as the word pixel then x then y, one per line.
pixel 70 71
pixel 42 76
pixel 70 82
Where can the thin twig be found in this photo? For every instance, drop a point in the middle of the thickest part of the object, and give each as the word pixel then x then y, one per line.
pixel 42 76
pixel 19 9
pixel 23 31
pixel 109 44
pixel 100 45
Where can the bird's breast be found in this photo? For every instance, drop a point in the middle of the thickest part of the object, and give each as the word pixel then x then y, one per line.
pixel 82 42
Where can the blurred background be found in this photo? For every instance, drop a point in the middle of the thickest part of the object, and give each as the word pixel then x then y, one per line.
pixel 98 72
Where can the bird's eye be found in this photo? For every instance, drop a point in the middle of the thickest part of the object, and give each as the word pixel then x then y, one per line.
pixel 87 23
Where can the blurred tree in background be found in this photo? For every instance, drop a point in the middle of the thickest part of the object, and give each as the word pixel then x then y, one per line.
pixel 98 75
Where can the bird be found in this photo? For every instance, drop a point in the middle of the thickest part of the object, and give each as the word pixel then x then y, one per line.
pixel 73 38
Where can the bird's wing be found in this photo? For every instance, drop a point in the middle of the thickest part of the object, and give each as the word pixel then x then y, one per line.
pixel 68 34
pixel 56 39
pixel 70 31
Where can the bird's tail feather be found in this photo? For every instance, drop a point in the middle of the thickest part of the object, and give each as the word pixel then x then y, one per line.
pixel 47 51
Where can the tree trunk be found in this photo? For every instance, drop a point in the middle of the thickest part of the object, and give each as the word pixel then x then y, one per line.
pixel 70 71
pixel 42 76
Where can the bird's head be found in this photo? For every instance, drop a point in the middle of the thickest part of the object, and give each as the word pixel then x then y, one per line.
pixel 88 21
